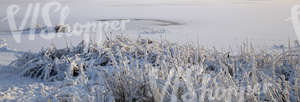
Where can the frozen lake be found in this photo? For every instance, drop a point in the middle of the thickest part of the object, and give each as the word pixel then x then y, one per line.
pixel 139 73
pixel 216 23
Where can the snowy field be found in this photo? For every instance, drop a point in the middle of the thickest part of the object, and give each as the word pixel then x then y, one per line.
pixel 202 35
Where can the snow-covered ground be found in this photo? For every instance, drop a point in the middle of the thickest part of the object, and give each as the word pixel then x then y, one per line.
pixel 219 23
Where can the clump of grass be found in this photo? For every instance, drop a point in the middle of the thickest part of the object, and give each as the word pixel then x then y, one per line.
pixel 150 71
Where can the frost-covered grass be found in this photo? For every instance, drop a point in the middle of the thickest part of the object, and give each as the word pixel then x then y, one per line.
pixel 123 70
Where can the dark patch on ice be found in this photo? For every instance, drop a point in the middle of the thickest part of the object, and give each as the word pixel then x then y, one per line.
pixel 39 30
pixel 111 19
pixel 159 22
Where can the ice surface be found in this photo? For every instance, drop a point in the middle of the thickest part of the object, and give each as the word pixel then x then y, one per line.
pixel 211 23
pixel 220 23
